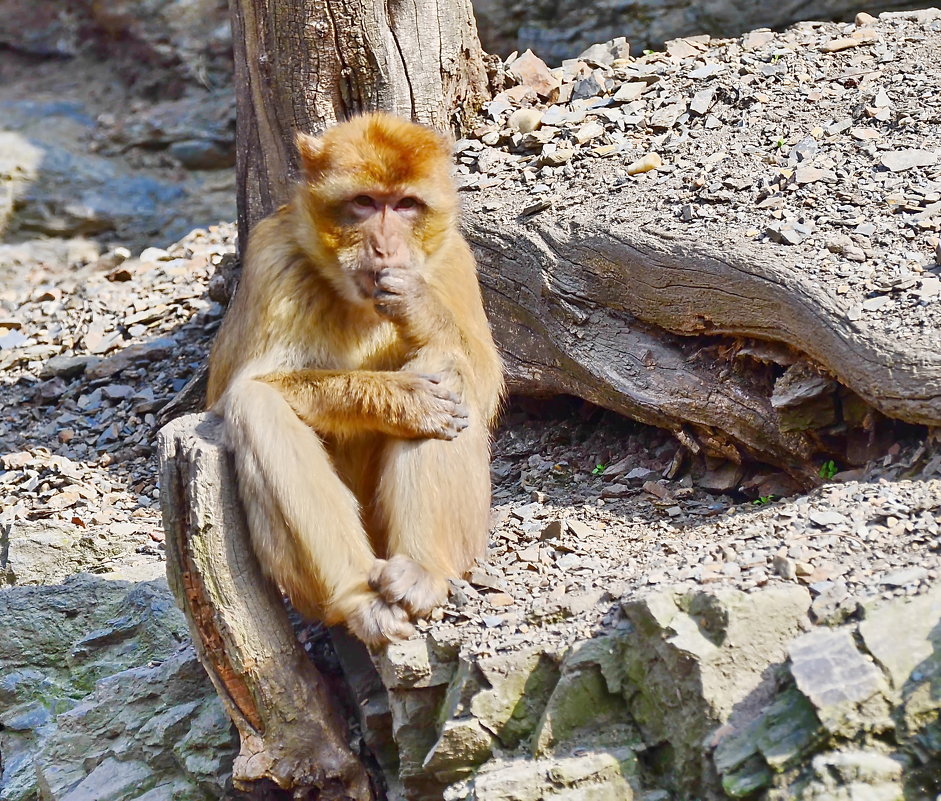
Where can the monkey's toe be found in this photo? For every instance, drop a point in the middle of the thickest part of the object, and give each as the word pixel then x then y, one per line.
pixel 402 581
pixel 377 623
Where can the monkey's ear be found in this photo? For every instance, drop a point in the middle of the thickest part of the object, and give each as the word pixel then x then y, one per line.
pixel 313 158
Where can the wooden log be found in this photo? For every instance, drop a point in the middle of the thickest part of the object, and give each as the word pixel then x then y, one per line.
pixel 290 732
pixel 620 315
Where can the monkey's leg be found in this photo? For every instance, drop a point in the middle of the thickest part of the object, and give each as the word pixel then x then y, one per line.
pixel 303 520
pixel 433 500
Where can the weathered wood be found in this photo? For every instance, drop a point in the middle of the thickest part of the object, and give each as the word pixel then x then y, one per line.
pixel 301 65
pixel 290 732
pixel 607 314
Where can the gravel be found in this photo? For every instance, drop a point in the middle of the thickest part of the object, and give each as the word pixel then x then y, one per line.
pixel 822 140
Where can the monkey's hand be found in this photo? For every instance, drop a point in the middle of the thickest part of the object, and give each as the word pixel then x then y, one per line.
pixel 432 410
pixel 403 296
pixel 399 292
pixel 401 581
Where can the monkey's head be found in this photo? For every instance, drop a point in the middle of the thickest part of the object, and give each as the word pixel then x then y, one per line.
pixel 376 195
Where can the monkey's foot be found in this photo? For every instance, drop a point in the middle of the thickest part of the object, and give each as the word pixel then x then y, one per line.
pixel 402 581
pixel 378 623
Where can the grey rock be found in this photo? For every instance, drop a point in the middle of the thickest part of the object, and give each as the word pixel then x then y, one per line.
pixel 855 774
pixel 789 233
pixel 605 54
pixel 562 29
pixel 597 777
pixel 203 154
pixel 68 653
pixel 66 366
pixel 59 193
pixel 799 384
pixel 902 636
pixel 193 35
pixel 111 780
pixel 783 733
pixel 51 551
pixel 702 101
pixel 168 729
pixel 900 578
pixel 724 478
pixel 416 664
pixel 462 745
pixel 13 339
pixel 837 679
pixel 826 518
pixel 901 160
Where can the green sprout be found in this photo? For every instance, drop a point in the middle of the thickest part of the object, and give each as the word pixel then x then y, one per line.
pixel 828 469
pixel 761 500
pixel 598 469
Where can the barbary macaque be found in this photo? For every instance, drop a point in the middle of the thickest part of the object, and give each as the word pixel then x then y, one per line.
pixel 358 381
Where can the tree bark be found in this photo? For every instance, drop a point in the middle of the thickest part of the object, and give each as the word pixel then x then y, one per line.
pixel 632 317
pixel 291 734
pixel 302 65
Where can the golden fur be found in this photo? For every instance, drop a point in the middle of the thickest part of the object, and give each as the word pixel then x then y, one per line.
pixel 358 380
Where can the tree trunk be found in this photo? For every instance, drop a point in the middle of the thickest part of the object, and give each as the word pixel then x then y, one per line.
pixel 291 734
pixel 301 65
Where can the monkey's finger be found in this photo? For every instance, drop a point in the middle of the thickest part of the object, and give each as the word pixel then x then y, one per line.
pixel 460 411
pixel 434 378
pixel 375 575
pixel 376 623
pixel 447 397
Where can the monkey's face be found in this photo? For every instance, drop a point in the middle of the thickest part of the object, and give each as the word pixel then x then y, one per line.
pixel 379 200
pixel 377 232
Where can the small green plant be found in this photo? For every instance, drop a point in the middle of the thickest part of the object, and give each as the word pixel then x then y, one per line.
pixel 828 469
pixel 761 500
pixel 776 58
pixel 779 143
pixel 649 52
pixel 598 469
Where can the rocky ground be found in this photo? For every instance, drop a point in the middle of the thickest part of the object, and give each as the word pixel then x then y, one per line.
pixel 103 320
pixel 824 139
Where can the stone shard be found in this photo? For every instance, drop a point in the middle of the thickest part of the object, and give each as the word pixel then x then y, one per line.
pixel 838 680
pixel 531 71
pixel 904 637
pixel 415 663
pixel 595 776
pixel 901 160
pixel 606 53
pixel 462 746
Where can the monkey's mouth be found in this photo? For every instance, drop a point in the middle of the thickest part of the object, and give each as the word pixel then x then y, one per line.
pixel 365 282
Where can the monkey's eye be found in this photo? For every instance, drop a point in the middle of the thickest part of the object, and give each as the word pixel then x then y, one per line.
pixel 364 202
pixel 406 203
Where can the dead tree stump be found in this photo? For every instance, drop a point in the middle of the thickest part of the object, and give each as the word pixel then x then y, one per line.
pixel 291 733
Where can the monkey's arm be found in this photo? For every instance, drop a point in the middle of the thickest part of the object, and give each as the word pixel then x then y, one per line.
pixel 440 316
pixel 399 403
